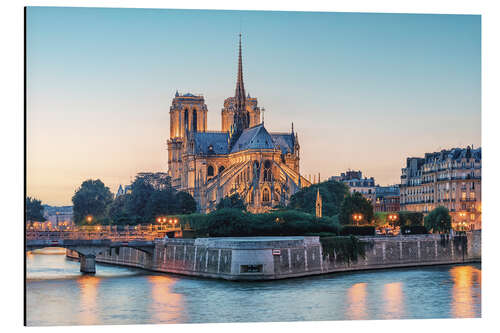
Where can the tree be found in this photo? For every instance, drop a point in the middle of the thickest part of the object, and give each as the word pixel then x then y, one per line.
pixel 34 210
pixel 141 192
pixel 381 219
pixel 355 203
pixel 332 194
pixel 161 202
pixel 438 220
pixel 92 198
pixel 185 203
pixel 118 210
pixel 233 201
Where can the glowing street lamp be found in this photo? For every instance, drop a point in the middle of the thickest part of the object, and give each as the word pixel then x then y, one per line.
pixel 89 218
pixel 392 218
pixel 357 217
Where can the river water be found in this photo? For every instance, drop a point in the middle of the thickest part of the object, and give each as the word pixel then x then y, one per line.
pixel 57 294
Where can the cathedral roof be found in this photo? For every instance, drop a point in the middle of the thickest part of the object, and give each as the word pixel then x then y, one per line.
pixel 211 142
pixel 256 137
pixel 284 141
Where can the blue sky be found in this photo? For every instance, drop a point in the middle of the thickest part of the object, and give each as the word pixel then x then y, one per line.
pixel 364 91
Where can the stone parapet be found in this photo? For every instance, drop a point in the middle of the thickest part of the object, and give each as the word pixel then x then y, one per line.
pixel 272 258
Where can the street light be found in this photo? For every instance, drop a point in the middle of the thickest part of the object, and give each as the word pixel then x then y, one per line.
pixel 357 217
pixel 392 218
pixel 89 219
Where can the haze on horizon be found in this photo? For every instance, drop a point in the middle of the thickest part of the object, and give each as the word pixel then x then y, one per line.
pixel 364 91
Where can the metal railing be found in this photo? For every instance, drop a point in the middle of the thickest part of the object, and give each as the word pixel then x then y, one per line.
pixel 114 235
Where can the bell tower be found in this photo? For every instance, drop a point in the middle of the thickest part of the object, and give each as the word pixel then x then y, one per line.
pixel 188 114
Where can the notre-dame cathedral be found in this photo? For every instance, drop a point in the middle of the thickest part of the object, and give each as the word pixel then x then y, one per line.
pixel 244 158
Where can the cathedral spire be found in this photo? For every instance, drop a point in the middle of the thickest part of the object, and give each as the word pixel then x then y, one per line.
pixel 239 97
pixel 241 118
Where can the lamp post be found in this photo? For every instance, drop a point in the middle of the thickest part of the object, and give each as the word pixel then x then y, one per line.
pixel 393 217
pixel 357 217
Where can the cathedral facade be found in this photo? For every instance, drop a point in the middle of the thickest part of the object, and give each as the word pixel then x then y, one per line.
pixel 244 157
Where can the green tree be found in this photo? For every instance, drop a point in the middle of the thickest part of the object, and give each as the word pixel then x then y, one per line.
pixel 161 202
pixel 355 203
pixel 233 201
pixel 92 198
pixel 185 203
pixel 438 220
pixel 137 205
pixel 332 194
pixel 34 210
pixel 380 219
pixel 118 210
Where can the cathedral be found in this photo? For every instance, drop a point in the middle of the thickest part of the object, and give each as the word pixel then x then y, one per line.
pixel 244 158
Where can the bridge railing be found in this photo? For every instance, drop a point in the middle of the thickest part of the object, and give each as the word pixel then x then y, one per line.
pixel 104 234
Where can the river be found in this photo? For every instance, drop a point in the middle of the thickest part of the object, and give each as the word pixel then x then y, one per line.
pixel 57 294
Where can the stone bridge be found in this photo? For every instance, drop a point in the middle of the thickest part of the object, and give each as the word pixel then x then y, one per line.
pixel 86 248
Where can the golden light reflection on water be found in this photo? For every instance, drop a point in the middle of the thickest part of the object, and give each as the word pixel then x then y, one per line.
pixel 166 306
pixel 356 296
pixel 464 279
pixel 88 299
pixel 393 297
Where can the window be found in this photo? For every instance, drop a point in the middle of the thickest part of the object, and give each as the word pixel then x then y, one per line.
pixel 267 171
pixel 221 168
pixel 210 171
pixel 265 195
pixel 195 120
pixel 186 120
pixel 472 217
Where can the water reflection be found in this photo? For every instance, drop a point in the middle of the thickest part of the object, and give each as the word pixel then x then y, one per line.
pixel 166 306
pixel 356 296
pixel 57 294
pixel 88 299
pixel 393 297
pixel 465 278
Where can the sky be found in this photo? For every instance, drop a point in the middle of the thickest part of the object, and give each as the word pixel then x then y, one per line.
pixel 364 91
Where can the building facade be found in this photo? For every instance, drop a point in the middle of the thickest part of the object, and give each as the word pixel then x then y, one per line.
pixel 449 178
pixel 386 199
pixel 356 183
pixel 244 157
pixel 57 216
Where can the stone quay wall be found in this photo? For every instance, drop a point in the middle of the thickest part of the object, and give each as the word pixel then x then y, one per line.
pixel 271 258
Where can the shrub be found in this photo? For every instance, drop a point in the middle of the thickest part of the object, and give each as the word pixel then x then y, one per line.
pixel 410 218
pixel 230 222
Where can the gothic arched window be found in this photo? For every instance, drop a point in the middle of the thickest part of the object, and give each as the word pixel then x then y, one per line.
pixel 267 171
pixel 265 195
pixel 195 120
pixel 186 120
pixel 210 171
pixel 221 168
